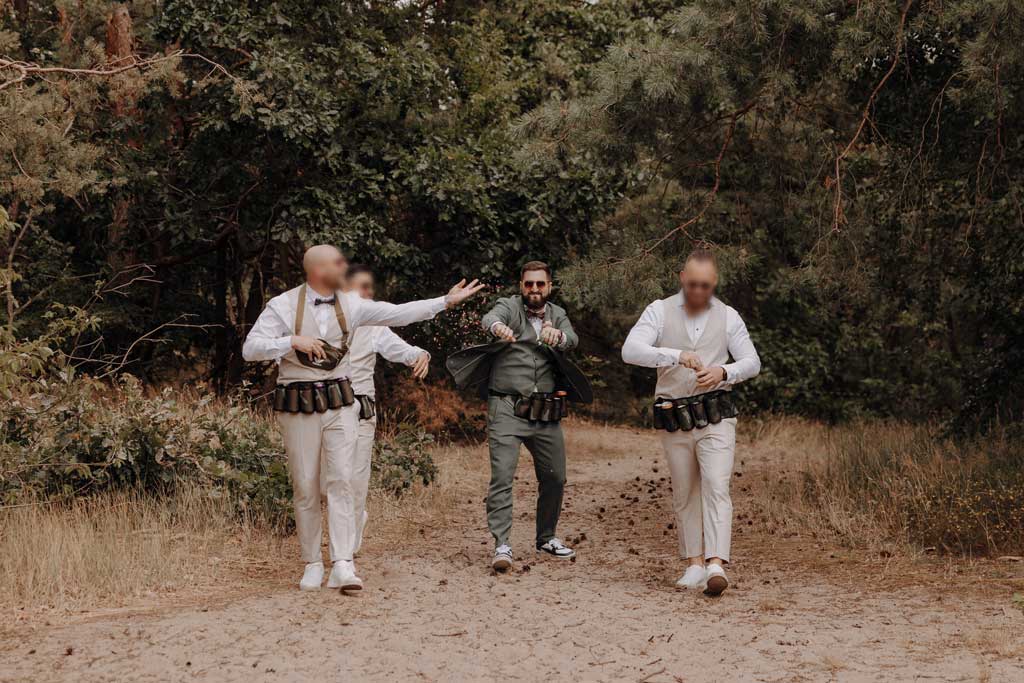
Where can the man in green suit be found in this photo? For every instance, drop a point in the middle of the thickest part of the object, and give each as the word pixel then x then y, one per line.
pixel 517 374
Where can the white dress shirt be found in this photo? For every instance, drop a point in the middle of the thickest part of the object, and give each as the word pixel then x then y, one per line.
pixel 367 342
pixel 641 347
pixel 271 337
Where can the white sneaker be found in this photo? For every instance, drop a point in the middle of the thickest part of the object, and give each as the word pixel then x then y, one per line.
pixel 343 576
pixel 502 558
pixel 717 580
pixel 359 534
pixel 557 548
pixel 695 578
pixel 312 577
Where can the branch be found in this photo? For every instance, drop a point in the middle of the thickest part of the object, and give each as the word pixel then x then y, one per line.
pixel 837 208
pixel 709 198
pixel 24 70
pixel 12 303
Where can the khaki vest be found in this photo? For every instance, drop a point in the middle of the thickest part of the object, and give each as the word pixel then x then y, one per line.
pixel 677 381
pixel 291 370
pixel 362 359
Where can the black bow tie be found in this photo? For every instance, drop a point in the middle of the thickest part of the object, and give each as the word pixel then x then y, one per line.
pixel 317 302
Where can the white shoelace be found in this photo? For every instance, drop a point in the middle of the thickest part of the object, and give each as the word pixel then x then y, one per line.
pixel 503 550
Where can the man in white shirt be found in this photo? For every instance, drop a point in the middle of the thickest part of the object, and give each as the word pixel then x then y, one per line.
pixel 367 342
pixel 306 331
pixel 689 337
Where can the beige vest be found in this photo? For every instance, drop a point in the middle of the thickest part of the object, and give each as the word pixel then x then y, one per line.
pixel 291 370
pixel 677 381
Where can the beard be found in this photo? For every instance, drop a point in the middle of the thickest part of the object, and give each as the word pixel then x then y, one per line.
pixel 536 300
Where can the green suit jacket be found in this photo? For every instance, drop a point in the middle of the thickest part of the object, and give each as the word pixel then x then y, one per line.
pixel 526 367
pixel 474 366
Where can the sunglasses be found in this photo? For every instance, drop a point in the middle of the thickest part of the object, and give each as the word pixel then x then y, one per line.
pixel 539 284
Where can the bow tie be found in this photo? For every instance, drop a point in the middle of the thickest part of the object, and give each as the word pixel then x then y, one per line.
pixel 317 302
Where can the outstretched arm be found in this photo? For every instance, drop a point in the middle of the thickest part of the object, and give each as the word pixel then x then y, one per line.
pixel 396 350
pixel 368 312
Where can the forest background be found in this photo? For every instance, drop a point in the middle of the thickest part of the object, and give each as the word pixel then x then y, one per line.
pixel 856 166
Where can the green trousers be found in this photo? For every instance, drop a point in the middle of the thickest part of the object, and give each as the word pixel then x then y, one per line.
pixel 505 432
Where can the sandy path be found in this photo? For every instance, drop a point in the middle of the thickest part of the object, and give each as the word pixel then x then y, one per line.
pixel 434 611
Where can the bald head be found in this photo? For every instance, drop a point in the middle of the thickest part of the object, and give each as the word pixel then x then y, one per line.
pixel 698 278
pixel 325 267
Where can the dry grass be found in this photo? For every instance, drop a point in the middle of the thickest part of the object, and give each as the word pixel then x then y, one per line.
pixel 125 549
pixel 112 550
pixel 128 549
pixel 892 488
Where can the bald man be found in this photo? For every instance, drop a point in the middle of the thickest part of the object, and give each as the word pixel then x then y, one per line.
pixel 306 331
pixel 689 337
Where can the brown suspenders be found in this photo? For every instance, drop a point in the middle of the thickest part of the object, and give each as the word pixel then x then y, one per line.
pixel 300 313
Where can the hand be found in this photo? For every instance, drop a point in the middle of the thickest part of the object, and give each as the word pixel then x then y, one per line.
pixel 503 332
pixel 308 345
pixel 710 377
pixel 691 360
pixel 550 335
pixel 422 366
pixel 461 291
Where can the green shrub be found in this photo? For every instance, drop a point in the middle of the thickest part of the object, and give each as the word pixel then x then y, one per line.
pixel 82 436
pixel 403 459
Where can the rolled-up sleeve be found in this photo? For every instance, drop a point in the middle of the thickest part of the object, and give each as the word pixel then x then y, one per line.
pixel 640 347
pixel 368 312
pixel 270 338
pixel 746 363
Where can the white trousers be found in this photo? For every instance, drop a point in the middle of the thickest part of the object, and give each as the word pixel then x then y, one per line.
pixel 701 461
pixel 365 435
pixel 335 435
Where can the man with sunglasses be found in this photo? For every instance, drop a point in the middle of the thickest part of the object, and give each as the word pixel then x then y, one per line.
pixel 525 371
pixel 689 337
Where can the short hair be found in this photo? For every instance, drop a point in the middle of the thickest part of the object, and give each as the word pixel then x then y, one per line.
pixel 358 269
pixel 535 265
pixel 701 255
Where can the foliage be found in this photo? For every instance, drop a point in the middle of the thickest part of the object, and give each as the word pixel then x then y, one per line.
pixel 857 167
pixel 79 437
pixel 380 127
pixel 402 460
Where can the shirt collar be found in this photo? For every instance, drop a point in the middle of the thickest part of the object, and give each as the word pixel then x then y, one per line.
pixel 312 295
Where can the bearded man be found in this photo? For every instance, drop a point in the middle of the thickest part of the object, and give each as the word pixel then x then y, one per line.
pixel 689 337
pixel 521 377
pixel 307 332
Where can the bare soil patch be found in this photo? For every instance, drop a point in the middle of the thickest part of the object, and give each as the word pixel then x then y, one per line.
pixel 800 607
